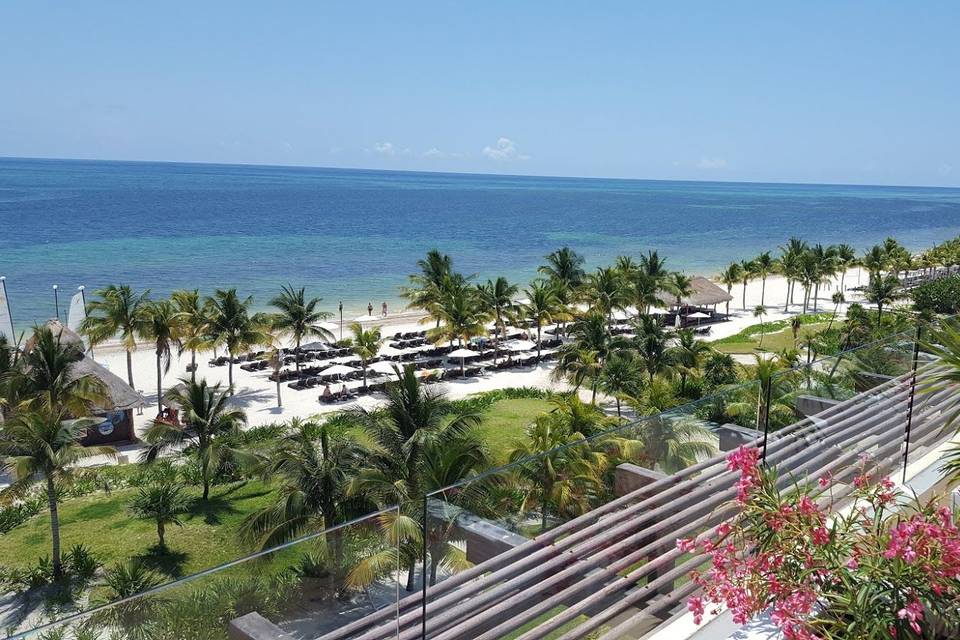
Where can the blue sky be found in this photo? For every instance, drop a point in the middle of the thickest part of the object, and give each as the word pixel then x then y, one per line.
pixel 850 92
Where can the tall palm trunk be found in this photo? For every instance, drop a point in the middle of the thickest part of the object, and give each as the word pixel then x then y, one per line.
pixel 193 365
pixel 816 295
pixel 763 290
pixel 230 369
pixel 538 340
pixel 130 368
pixel 54 527
pixel 744 295
pixel 160 531
pixel 786 303
pixel 159 384
pixel 297 357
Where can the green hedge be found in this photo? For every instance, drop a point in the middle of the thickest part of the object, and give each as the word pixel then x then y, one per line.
pixel 938 296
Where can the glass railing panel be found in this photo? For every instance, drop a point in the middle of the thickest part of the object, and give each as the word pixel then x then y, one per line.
pixel 314 587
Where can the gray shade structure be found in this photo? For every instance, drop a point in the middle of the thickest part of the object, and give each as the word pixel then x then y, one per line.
pixel 616 572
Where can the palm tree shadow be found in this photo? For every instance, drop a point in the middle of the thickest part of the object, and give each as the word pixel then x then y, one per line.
pixel 245 398
pixel 164 560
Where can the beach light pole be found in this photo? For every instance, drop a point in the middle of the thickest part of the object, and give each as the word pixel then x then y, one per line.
pixel 341 320
pixel 83 298
pixel 56 301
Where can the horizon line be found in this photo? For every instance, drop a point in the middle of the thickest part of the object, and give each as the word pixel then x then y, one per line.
pixel 477 173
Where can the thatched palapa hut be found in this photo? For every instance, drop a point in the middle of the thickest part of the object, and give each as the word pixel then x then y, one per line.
pixel 117 425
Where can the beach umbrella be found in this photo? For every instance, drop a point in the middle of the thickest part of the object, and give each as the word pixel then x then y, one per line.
pixel 387 350
pixel 657 311
pixel 698 315
pixel 521 345
pixel 338 370
pixel 328 326
pixel 463 354
pixel 384 366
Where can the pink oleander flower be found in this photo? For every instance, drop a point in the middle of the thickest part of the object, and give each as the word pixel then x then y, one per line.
pixel 789 553
pixel 695 606
pixel 686 544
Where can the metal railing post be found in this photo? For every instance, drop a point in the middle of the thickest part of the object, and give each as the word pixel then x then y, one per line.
pixel 913 391
pixel 423 598
pixel 766 417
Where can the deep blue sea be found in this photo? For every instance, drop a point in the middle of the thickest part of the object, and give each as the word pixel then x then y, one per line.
pixel 355 234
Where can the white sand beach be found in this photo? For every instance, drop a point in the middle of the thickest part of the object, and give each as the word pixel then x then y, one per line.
pixel 256 394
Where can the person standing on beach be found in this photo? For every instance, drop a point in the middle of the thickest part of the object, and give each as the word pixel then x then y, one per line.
pixel 383 309
pixel 369 308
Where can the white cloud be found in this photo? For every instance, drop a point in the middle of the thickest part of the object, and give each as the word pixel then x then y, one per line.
pixel 711 163
pixel 505 149
pixel 433 152
pixel 944 169
pixel 385 148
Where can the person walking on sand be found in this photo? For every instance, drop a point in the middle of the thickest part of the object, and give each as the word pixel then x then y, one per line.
pixel 369 308
pixel 383 309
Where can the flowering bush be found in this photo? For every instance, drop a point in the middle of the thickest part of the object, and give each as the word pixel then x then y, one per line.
pixel 880 567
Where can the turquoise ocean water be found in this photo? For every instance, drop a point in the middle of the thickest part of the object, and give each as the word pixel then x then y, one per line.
pixel 355 234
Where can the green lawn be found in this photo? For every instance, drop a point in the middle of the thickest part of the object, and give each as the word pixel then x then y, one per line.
pixel 504 424
pixel 209 535
pixel 778 336
pixel 104 524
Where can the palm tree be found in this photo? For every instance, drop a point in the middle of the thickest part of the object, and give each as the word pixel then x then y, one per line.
pixel 299 317
pixel 366 344
pixel 425 287
pixel 208 420
pixel 730 276
pixel 654 266
pixel 161 502
pixel 687 355
pixel 790 265
pixel 578 365
pixel 837 299
pixel 460 316
pixel 605 291
pixel 846 258
pixel 274 340
pixel 163 329
pixel 825 268
pixel 194 320
pixel 651 346
pixel 496 299
pixel 646 291
pixel 758 312
pixel 543 305
pixel 45 377
pixel 944 343
pixel 764 265
pixel 679 285
pixel 748 271
pixel 232 325
pixel 673 445
pixel 559 473
pixel 620 376
pixel 118 310
pixel 875 260
pixel 43 445
pixel 415 422
pixel 882 291
pixel 313 465
pixel 564 267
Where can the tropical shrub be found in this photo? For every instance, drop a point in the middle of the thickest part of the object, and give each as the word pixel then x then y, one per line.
pixel 938 296
pixel 876 568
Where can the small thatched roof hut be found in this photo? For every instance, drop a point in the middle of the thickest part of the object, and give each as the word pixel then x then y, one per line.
pixel 705 293
pixel 122 396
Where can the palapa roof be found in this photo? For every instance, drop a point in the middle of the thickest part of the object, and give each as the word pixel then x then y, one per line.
pixel 705 293
pixel 122 395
